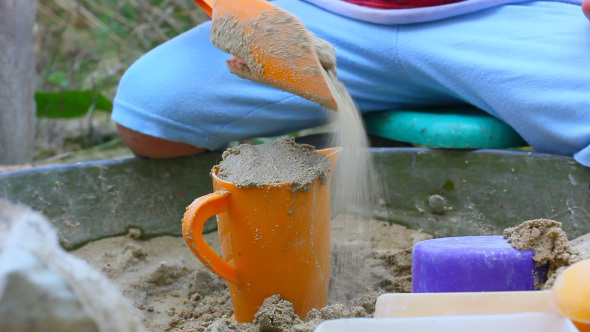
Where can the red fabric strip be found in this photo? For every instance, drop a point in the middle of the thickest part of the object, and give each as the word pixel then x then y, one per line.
pixel 400 4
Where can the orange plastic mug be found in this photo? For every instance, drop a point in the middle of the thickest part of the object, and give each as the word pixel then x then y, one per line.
pixel 273 241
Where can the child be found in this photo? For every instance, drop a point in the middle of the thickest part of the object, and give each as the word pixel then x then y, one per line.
pixel 527 63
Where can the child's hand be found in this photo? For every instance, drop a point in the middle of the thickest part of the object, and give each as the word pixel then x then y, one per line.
pixel 586 8
pixel 238 64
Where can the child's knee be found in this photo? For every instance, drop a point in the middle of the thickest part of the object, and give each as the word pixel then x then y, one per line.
pixel 143 145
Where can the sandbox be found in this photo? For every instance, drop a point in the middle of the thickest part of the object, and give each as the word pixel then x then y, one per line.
pixel 427 193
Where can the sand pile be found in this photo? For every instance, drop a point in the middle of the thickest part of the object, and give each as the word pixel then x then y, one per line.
pixel 280 161
pixel 550 244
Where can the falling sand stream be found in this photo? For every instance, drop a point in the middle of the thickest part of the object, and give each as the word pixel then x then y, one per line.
pixel 354 191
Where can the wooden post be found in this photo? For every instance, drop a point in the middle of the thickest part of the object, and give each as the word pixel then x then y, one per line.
pixel 17 80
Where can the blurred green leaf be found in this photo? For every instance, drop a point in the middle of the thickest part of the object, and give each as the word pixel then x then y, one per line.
pixel 70 104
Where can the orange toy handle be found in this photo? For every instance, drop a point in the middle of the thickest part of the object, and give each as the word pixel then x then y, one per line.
pixel 193 221
pixel 206 6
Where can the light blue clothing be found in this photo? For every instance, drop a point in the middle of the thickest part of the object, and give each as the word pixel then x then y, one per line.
pixel 414 15
pixel 527 64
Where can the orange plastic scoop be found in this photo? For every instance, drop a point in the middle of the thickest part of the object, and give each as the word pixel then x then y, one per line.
pixel 206 6
pixel 274 44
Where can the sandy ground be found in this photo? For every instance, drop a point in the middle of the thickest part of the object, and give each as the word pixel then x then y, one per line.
pixel 175 292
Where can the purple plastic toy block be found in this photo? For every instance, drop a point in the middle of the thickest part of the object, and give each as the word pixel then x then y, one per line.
pixel 472 264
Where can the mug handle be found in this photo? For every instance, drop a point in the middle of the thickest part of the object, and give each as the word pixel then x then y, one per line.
pixel 193 221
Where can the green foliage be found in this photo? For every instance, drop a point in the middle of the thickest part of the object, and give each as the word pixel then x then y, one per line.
pixel 88 44
pixel 70 104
